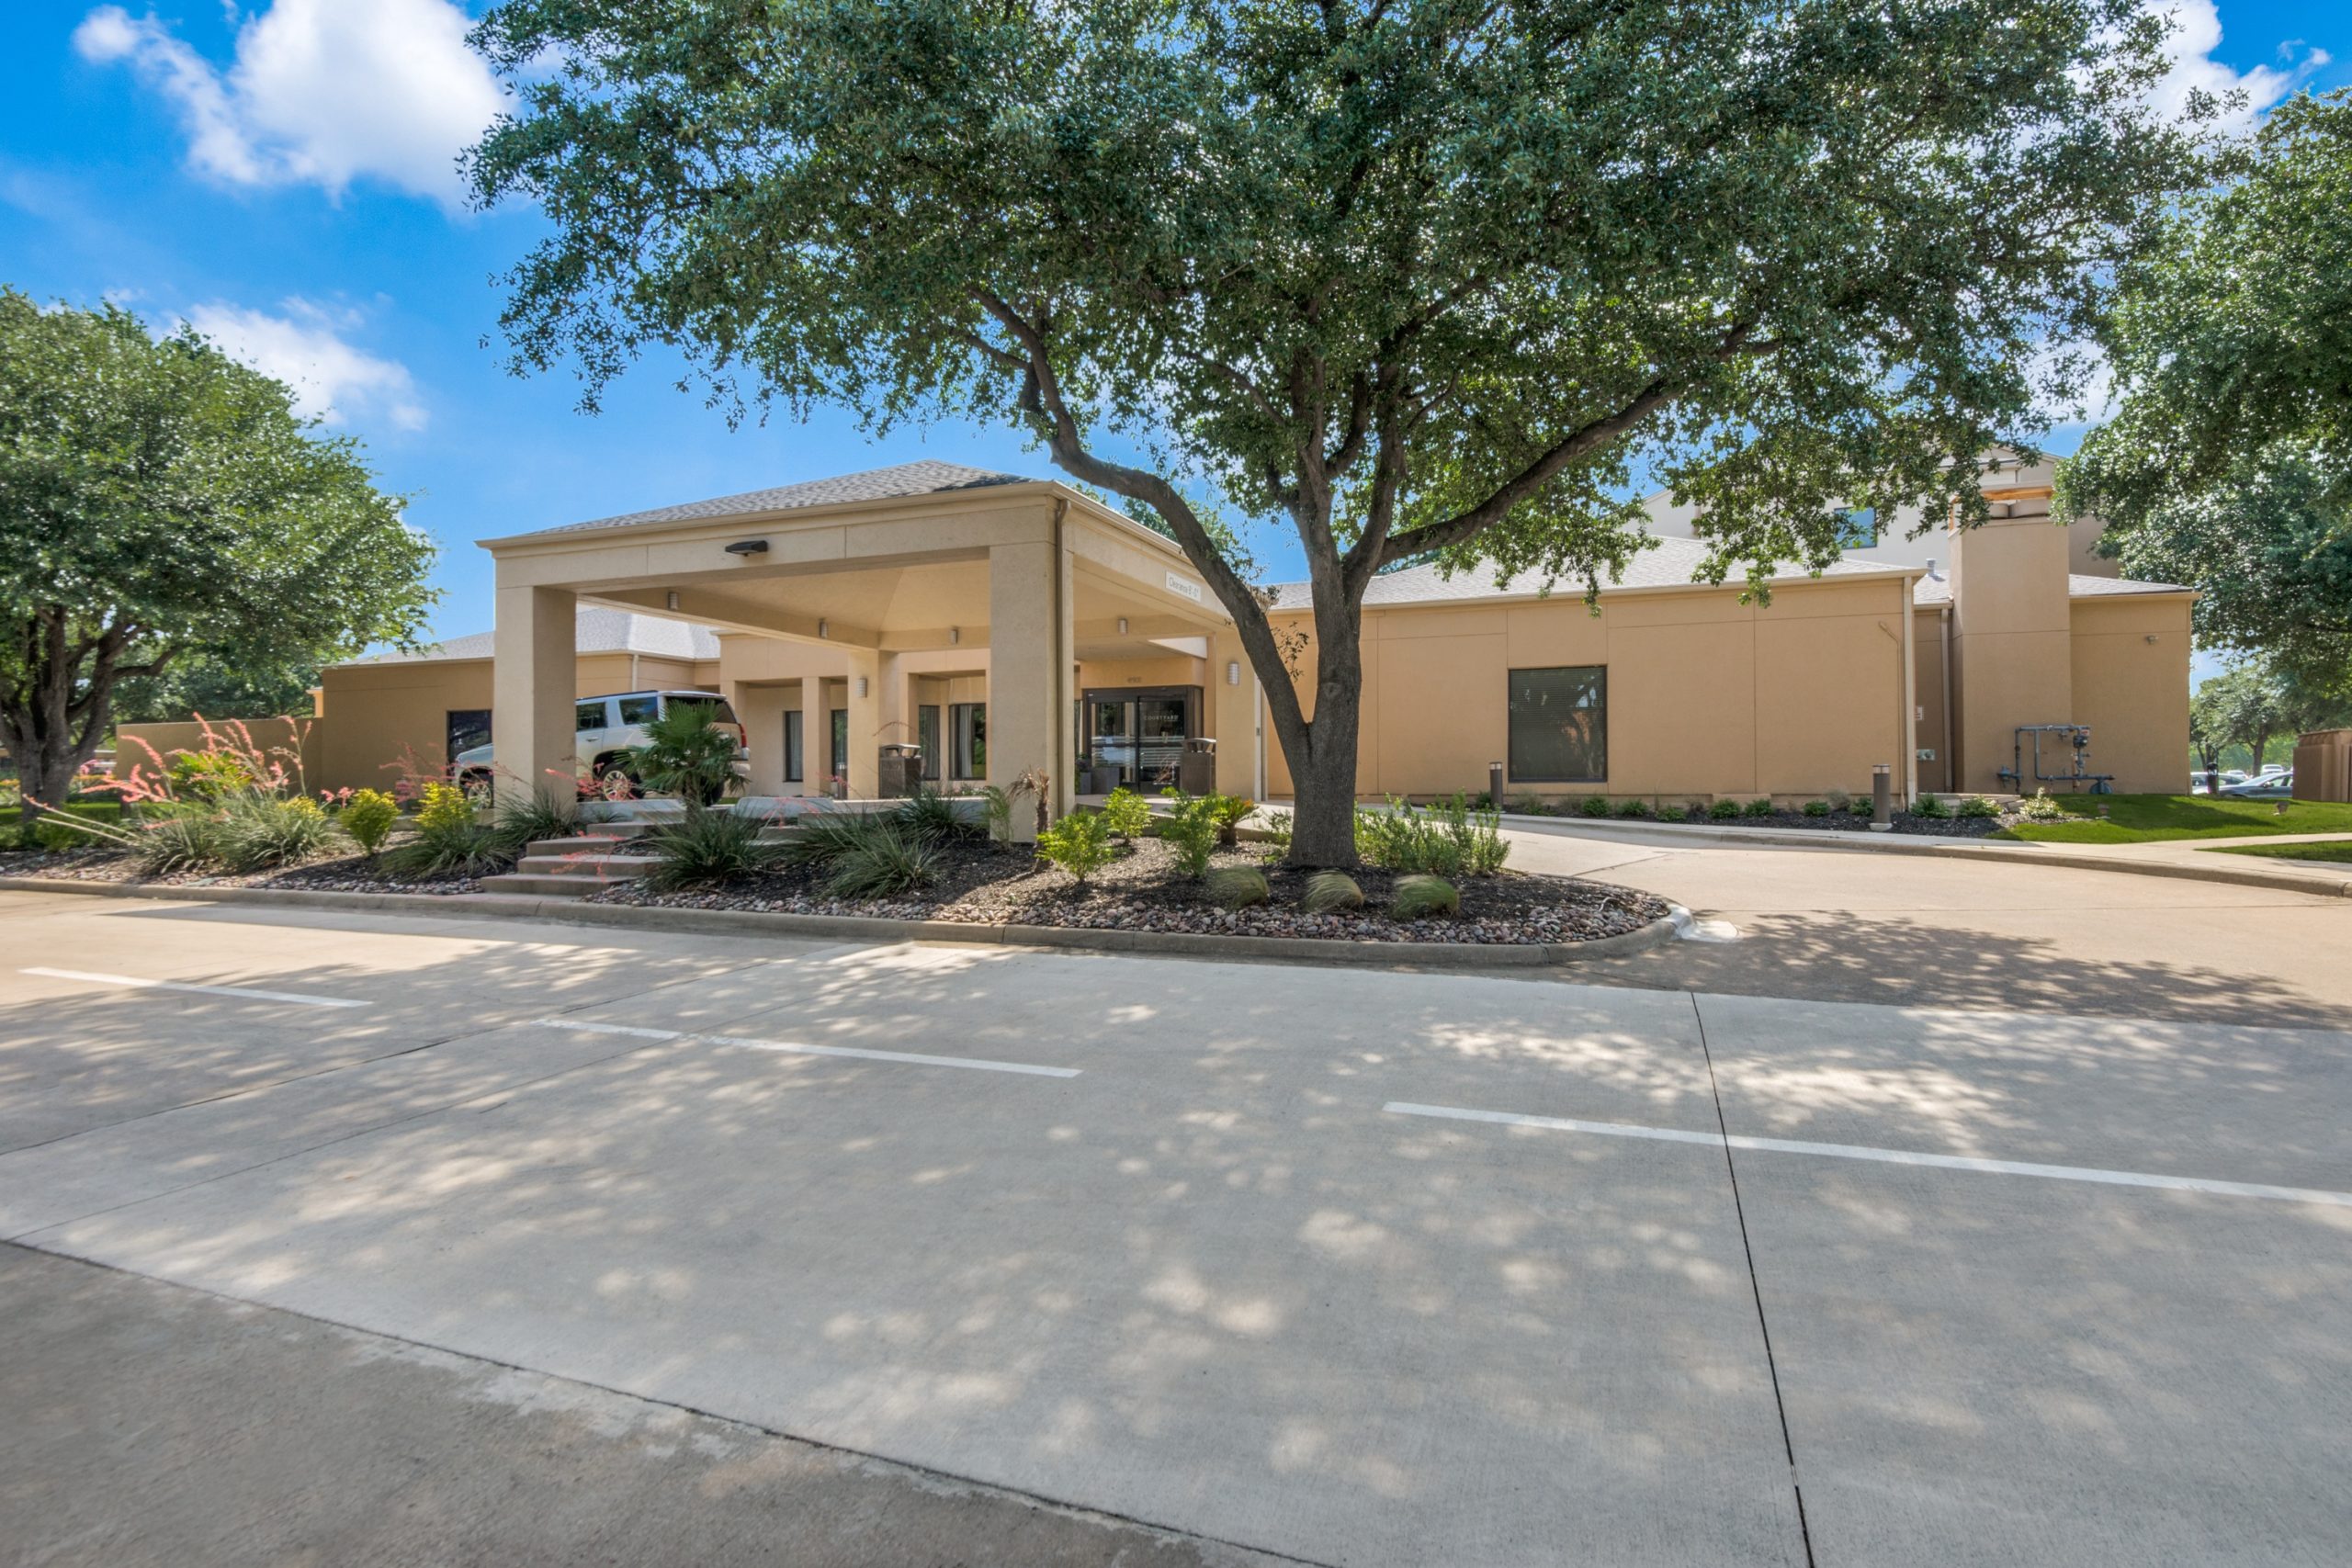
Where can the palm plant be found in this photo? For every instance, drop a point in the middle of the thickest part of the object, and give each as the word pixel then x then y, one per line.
pixel 686 754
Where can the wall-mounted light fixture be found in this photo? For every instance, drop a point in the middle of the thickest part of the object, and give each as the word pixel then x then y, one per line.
pixel 1233 671
pixel 1123 625
pixel 820 626
pixel 748 547
pixel 862 687
pixel 954 635
pixel 671 599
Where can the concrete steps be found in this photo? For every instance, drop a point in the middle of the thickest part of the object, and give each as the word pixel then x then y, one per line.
pixel 576 865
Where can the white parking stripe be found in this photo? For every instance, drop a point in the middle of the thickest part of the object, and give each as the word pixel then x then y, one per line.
pixel 1890 1156
pixel 248 992
pixel 799 1048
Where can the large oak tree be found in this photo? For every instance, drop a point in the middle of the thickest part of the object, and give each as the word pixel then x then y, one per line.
pixel 1419 278
pixel 160 501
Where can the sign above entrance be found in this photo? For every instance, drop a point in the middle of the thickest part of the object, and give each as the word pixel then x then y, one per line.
pixel 1184 585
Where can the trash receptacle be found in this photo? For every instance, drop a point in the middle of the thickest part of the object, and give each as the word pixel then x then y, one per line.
pixel 898 771
pixel 1196 770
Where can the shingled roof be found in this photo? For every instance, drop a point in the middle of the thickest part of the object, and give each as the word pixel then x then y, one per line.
pixel 924 478
pixel 1671 563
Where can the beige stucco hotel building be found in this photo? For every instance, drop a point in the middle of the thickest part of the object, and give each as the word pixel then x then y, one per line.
pixel 1006 624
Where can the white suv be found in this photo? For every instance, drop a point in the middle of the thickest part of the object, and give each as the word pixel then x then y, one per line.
pixel 605 728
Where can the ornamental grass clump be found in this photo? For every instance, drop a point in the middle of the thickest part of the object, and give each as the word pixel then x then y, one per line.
pixel 1235 887
pixel 704 849
pixel 1079 843
pixel 257 831
pixel 449 841
pixel 178 842
pixel 883 859
pixel 1421 896
pixel 928 816
pixel 1330 892
pixel 1930 806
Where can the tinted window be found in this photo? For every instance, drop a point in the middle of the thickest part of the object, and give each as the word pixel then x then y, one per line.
pixel 970 722
pixel 792 745
pixel 469 728
pixel 591 715
pixel 1559 724
pixel 839 767
pixel 640 710
pixel 719 712
pixel 927 737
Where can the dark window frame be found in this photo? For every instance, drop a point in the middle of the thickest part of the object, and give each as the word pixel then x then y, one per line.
pixel 451 736
pixel 1512 709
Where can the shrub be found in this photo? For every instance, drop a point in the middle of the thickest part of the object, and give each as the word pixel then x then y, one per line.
pixel 2041 809
pixel 523 821
pixel 1528 805
pixel 1238 886
pixel 1228 811
pixel 210 775
pixel 441 807
pixel 996 805
pixel 1838 802
pixel 1816 808
pixel 704 848
pixel 1477 835
pixel 686 754
pixel 883 860
pixel 181 841
pixel 1632 806
pixel 1079 843
pixel 1760 807
pixel 1671 813
pixel 1329 891
pixel 1190 833
pixel 1723 810
pixel 1977 806
pixel 1420 897
pixel 1126 813
pixel 1278 831
pixel 929 818
pixel 368 817
pixel 1402 838
pixel 1595 806
pixel 821 839
pixel 1860 806
pixel 260 831
pixel 1931 806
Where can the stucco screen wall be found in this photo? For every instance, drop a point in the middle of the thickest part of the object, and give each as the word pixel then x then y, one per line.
pixel 2132 691
pixel 1707 695
pixel 376 715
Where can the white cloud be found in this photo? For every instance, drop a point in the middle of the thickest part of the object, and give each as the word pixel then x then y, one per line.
pixel 305 348
pixel 2197 33
pixel 322 92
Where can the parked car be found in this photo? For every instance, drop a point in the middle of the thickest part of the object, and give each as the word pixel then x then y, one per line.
pixel 2203 783
pixel 605 728
pixel 2265 785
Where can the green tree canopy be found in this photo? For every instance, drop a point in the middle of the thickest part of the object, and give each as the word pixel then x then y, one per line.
pixel 2254 701
pixel 159 501
pixel 1426 279
pixel 2229 463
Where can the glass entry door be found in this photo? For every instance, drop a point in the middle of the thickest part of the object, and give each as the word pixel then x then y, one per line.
pixel 1142 734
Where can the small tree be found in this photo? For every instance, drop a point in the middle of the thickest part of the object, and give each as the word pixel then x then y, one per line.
pixel 1419 278
pixel 159 500
pixel 2229 463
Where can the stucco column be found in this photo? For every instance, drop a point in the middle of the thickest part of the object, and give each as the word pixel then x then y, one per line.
pixel 531 693
pixel 864 702
pixel 894 712
pixel 1031 659
pixel 761 710
pixel 1233 716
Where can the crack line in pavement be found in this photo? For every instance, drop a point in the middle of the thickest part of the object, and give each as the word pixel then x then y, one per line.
pixel 1739 1211
pixel 1041 1499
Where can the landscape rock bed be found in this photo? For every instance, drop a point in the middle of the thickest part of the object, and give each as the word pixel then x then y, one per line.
pixel 984 883
pixel 336 874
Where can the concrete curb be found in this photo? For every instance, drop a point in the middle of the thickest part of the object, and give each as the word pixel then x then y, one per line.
pixel 856 928
pixel 2323 885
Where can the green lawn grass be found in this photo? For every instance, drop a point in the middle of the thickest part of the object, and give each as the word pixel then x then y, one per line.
pixel 2149 818
pixel 2338 851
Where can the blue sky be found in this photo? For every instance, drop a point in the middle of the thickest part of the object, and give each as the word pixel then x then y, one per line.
pixel 279 174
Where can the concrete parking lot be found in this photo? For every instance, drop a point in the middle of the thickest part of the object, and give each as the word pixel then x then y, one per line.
pixel 1176 1260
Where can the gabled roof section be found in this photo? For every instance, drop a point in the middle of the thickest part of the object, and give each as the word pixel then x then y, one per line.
pixel 1930 591
pixel 924 478
pixel 598 630
pixel 1671 563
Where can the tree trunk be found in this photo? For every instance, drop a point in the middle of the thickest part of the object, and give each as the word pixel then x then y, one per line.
pixel 1323 759
pixel 48 778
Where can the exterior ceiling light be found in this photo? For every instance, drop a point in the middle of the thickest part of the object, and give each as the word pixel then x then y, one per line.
pixel 748 547
pixel 1123 625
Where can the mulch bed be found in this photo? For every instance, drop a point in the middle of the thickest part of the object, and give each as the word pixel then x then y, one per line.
pixel 986 884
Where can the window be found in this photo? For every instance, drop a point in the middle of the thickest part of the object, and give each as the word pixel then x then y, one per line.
pixel 1559 725
pixel 840 768
pixel 720 713
pixel 469 728
pixel 927 737
pixel 588 716
pixel 792 751
pixel 970 722
pixel 640 710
